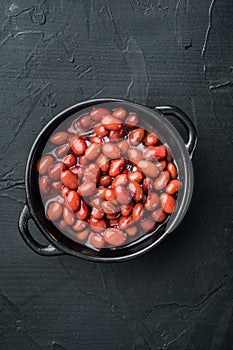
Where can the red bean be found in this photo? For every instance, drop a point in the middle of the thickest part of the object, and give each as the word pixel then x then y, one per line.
pixel 68 216
pixel 44 163
pixel 172 170
pixel 136 136
pixel 147 224
pixel 120 113
pixel 147 185
pixel 116 135
pixel 138 211
pixel 108 207
pixel 97 225
pixel 132 231
pixel 44 184
pixel 152 201
pixel 83 160
pixel 122 195
pixel 83 212
pixel 155 153
pixel 124 146
pixel 121 179
pixel 62 225
pixel 59 138
pixel 87 189
pixel 150 139
pixel 70 160
pixel 135 176
pixel 162 180
pixel 109 194
pixel 97 240
pixel 65 191
pixel 159 215
pixel 91 173
pixel 132 121
pixel 54 211
pixel 103 162
pixel 111 123
pixel 78 145
pixel 79 225
pixel 113 216
pixel 126 209
pixel 114 237
pixel 113 222
pixel 100 130
pixel 169 156
pixel 173 186
pixel 55 170
pixel 97 113
pixel 135 155
pixel 62 151
pixel 95 139
pixel 69 179
pixel 105 180
pixel 148 168
pixel 136 190
pixel 161 165
pixel 101 191
pixel 125 221
pixel 116 167
pixel 167 203
pixel 111 150
pixel 73 200
pixel 77 171
pixel 97 214
pixel 56 186
pixel 83 235
pixel 85 121
pixel 93 151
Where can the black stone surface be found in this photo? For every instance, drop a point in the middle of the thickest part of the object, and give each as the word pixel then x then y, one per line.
pixel 54 53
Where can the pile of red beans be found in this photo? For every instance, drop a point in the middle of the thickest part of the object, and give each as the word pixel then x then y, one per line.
pixel 105 181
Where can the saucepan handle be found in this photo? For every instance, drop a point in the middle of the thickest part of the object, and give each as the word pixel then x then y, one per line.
pixel 48 250
pixel 186 121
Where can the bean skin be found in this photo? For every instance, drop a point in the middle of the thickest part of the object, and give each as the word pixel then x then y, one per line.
pixel 69 179
pixel 54 211
pixel 97 113
pixel 135 155
pixel 126 209
pixel 162 181
pixel 79 225
pixel 125 221
pixel 97 214
pixel 116 167
pixel 172 170
pixel 135 176
pixel 150 140
pixel 73 200
pixel 44 184
pixel 108 207
pixel 148 168
pixel 59 138
pixel 111 123
pixel 78 145
pixel 83 212
pixel 101 192
pixel 83 235
pixel 87 189
pixel 124 146
pixel 136 190
pixel 155 153
pixel 97 225
pixel 93 151
pixel 105 180
pixel 120 113
pixel 173 187
pixel 103 162
pixel 114 237
pixel 122 195
pixel 85 121
pixel 121 179
pixel 152 201
pixel 96 202
pixel 138 211
pixel 91 173
pixel 100 130
pixel 44 163
pixel 111 150
pixel 68 216
pixel 62 151
pixel 132 121
pixel 96 240
pixel 147 224
pixel 70 160
pixel 132 231
pixel 159 215
pixel 167 203
pixel 136 136
pixel 147 185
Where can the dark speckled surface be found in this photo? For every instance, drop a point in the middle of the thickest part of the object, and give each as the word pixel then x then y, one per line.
pixel 55 53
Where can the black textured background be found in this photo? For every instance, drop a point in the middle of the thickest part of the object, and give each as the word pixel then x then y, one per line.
pixel 55 53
